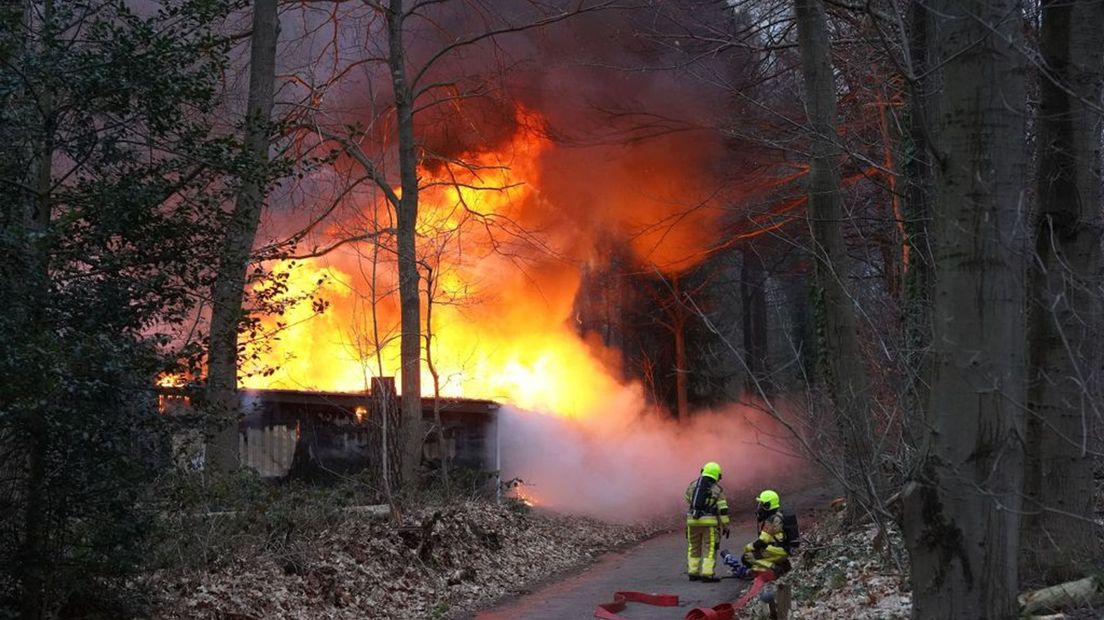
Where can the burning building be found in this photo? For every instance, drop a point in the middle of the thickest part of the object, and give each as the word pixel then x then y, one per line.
pixel 315 434
pixel 567 211
pixel 531 180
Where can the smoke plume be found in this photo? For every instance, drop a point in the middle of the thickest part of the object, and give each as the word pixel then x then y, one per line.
pixel 607 128
pixel 626 461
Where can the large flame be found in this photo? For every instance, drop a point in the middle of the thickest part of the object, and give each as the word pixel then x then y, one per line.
pixel 500 321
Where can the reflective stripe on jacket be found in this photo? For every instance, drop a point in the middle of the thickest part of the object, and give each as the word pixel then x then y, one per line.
pixel 768 550
pixel 706 503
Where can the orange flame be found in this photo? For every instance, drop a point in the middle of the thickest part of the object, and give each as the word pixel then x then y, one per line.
pixel 169 380
pixel 167 402
pixel 499 325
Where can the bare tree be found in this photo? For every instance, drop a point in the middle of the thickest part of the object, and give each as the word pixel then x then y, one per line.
pixel 433 291
pixel 666 297
pixel 961 512
pixel 367 340
pixel 406 208
pixel 846 375
pixel 755 319
pixel 1059 534
pixel 674 309
pixel 226 308
pixel 917 200
pixel 415 88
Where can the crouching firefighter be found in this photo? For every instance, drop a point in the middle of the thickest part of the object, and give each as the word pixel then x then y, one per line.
pixel 769 553
pixel 706 520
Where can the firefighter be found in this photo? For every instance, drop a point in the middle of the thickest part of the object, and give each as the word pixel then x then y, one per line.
pixel 706 520
pixel 770 551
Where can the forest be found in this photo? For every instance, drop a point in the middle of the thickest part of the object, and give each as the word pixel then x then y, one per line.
pixel 856 242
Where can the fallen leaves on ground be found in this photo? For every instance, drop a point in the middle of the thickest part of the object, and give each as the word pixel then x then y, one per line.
pixel 846 572
pixel 476 552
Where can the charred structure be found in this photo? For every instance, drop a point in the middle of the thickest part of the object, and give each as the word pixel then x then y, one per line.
pixel 310 435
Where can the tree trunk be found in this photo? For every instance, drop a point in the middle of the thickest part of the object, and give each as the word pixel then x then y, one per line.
pixel 37 217
pixel 798 340
pixel 226 307
pixel 753 303
pixel 407 218
pixel 390 453
pixel 384 391
pixel 439 429
pixel 962 513
pixel 846 375
pixel 678 327
pixel 917 216
pixel 1059 534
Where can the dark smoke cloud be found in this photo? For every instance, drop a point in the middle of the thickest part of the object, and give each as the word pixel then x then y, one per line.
pixel 634 99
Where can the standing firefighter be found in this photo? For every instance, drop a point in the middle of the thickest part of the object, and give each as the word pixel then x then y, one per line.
pixel 706 518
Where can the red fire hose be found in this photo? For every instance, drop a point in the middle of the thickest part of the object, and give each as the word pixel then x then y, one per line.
pixel 722 611
pixel 608 611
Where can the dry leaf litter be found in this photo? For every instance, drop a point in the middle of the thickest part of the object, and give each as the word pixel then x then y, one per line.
pixel 846 571
pixel 475 553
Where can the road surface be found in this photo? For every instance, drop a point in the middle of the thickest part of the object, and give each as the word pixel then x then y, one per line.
pixel 657 565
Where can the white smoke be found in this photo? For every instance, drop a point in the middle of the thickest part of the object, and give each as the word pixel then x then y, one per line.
pixel 627 461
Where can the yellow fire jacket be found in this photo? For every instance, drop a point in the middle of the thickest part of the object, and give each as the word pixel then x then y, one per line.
pixel 706 503
pixel 767 552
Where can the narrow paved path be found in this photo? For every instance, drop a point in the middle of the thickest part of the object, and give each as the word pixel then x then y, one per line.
pixel 657 565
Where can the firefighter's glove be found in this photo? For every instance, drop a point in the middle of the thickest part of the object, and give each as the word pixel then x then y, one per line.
pixel 725 532
pixel 757 554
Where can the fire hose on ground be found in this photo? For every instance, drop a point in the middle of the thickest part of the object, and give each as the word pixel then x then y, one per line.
pixel 721 611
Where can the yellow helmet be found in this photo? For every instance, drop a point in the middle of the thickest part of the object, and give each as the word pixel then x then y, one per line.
pixel 711 470
pixel 769 499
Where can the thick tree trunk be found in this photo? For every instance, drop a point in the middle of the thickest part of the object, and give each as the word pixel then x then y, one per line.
pixel 962 513
pixel 1059 534
pixel 918 212
pixel 409 297
pixel 226 307
pixel 846 374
